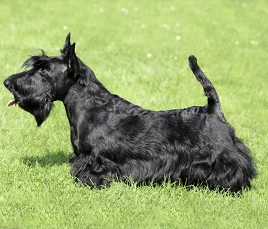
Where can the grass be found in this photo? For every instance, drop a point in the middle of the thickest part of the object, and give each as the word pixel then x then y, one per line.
pixel 139 50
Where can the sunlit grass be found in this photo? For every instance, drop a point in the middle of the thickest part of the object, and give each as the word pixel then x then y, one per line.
pixel 138 50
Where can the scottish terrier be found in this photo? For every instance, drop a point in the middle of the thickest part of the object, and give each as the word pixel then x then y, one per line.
pixel 114 139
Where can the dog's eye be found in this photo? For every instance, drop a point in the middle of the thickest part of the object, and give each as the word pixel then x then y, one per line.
pixel 43 71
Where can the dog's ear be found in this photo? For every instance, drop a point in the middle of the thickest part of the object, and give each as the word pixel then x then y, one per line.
pixel 71 61
pixel 68 54
pixel 73 58
pixel 67 44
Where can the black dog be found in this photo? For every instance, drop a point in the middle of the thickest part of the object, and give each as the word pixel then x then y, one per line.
pixel 114 139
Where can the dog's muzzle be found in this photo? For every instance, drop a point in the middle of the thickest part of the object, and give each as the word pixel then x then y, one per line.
pixel 8 86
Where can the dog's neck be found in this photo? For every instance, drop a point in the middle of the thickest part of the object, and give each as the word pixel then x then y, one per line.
pixel 85 93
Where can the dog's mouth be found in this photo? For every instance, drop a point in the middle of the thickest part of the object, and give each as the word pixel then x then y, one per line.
pixel 14 100
pixel 9 86
pixel 11 102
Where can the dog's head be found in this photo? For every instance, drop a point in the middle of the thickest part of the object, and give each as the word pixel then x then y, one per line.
pixel 48 79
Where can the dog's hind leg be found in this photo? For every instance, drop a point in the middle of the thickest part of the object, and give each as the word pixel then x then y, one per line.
pixel 214 105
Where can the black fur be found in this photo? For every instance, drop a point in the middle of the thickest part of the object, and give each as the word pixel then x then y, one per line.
pixel 115 139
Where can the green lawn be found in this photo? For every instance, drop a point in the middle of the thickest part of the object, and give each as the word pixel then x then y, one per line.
pixel 138 50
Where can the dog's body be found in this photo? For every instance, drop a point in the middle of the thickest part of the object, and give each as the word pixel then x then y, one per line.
pixel 114 139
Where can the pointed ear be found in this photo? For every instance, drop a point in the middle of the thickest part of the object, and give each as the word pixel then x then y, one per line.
pixel 67 44
pixel 72 61
pixel 73 57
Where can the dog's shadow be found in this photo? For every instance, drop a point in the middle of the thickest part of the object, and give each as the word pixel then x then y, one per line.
pixel 49 159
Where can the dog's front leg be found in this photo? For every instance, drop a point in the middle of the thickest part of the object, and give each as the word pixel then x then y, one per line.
pixel 92 170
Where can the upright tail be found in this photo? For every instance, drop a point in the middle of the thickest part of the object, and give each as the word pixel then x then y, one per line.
pixel 214 105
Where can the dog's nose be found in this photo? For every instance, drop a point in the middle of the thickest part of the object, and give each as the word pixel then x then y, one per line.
pixel 7 83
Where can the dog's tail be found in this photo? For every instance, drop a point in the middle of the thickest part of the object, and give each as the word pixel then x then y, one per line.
pixel 214 105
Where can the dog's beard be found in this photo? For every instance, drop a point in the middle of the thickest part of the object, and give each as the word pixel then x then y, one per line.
pixel 38 106
pixel 40 109
pixel 42 113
